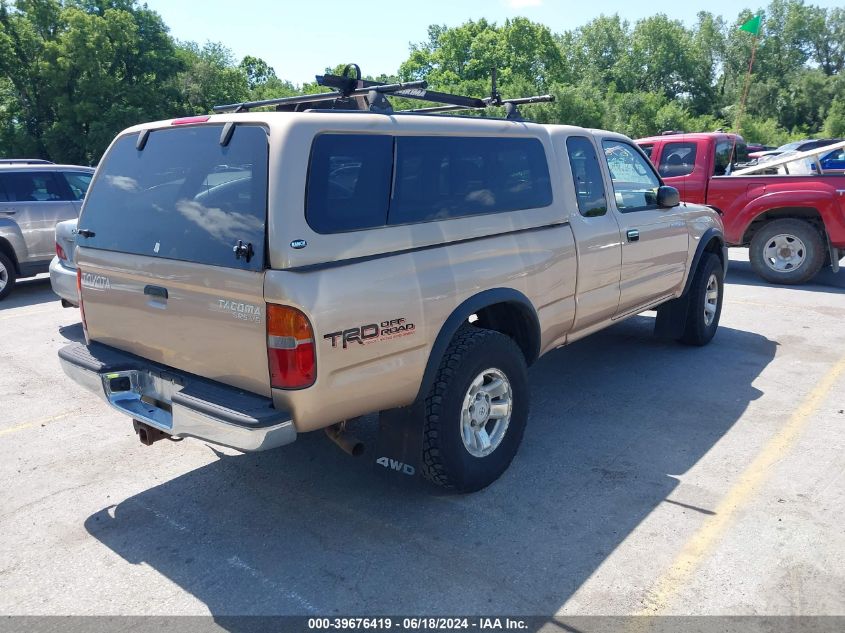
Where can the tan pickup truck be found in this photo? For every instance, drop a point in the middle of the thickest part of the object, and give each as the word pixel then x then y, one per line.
pixel 246 277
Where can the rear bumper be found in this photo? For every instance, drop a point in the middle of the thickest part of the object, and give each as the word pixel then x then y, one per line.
pixel 179 404
pixel 63 281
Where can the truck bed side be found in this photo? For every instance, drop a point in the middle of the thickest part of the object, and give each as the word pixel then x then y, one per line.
pixel 746 199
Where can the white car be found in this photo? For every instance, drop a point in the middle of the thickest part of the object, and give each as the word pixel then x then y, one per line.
pixel 63 268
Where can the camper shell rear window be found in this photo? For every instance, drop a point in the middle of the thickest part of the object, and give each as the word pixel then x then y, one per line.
pixel 183 196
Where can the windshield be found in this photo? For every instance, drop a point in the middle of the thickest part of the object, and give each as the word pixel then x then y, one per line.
pixel 183 196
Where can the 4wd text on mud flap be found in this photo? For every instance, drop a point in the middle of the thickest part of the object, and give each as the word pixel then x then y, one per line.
pixel 370 332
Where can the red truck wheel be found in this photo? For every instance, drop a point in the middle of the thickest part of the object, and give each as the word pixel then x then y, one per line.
pixel 787 252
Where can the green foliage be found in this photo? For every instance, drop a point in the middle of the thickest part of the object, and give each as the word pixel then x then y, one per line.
pixel 210 77
pixel 658 74
pixel 834 125
pixel 78 71
pixel 75 72
pixel 767 131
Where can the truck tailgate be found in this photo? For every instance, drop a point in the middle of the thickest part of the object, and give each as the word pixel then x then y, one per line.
pixel 201 319
pixel 171 251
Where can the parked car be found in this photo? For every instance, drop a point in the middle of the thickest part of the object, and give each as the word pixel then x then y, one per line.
pixel 360 263
pixel 63 268
pixel 793 224
pixel 795 146
pixel 834 161
pixel 756 148
pixel 34 197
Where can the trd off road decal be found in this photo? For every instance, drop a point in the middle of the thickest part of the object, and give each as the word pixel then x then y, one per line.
pixel 371 333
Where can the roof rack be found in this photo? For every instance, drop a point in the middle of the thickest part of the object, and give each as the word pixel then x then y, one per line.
pixel 355 93
pixel 25 161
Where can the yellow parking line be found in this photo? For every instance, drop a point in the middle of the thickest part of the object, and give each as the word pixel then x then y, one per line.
pixel 750 480
pixel 23 313
pixel 29 425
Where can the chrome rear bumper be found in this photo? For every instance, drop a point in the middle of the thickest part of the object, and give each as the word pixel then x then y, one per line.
pixel 178 404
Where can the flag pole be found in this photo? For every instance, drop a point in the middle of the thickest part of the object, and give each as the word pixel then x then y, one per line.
pixel 747 84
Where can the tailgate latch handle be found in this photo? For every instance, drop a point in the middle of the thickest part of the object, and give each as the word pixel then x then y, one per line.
pixel 156 291
pixel 243 250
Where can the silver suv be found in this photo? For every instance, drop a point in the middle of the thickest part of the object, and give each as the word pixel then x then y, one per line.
pixel 35 195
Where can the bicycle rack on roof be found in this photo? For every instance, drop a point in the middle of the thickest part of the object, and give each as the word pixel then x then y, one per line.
pixel 357 94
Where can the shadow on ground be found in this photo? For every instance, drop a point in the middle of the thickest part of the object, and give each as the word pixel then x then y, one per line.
pixel 740 272
pixel 306 529
pixel 73 333
pixel 29 292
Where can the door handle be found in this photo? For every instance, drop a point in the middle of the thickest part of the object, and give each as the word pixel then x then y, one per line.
pixel 156 291
pixel 9 211
pixel 633 235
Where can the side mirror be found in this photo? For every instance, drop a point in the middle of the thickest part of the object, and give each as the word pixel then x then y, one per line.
pixel 668 197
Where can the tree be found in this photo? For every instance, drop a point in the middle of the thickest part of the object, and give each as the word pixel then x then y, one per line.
pixel 209 77
pixel 834 125
pixel 80 71
pixel 597 50
pixel 462 57
pixel 663 59
pixel 257 71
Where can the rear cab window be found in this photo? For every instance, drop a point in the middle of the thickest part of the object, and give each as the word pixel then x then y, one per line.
pixel 677 159
pixel 184 196
pixel 358 181
pixel 586 173
pixel 728 153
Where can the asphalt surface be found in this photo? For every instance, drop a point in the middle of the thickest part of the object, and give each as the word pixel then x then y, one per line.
pixel 653 478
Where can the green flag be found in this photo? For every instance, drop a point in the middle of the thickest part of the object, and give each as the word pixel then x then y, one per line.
pixel 753 25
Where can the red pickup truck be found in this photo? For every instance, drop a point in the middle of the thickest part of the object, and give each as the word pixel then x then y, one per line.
pixel 793 225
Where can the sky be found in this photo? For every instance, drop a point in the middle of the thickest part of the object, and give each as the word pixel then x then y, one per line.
pixel 302 38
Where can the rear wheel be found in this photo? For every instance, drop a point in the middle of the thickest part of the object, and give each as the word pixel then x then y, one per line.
pixel 787 252
pixel 7 275
pixel 476 411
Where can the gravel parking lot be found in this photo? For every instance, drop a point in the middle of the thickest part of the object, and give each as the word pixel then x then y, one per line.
pixel 653 478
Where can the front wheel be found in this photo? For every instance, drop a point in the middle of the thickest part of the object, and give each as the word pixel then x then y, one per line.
pixel 476 411
pixel 787 252
pixel 704 308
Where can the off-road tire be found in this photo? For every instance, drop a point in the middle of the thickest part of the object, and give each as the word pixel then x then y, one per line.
pixel 446 461
pixel 9 269
pixel 697 331
pixel 814 256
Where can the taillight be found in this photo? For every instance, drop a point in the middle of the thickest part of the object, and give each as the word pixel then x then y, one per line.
pixel 61 252
pixel 81 309
pixel 290 348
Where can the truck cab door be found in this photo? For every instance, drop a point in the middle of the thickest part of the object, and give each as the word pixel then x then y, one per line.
pixel 597 237
pixel 655 241
pixel 681 167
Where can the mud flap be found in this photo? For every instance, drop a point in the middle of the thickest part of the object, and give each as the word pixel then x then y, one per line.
pixel 672 318
pixel 399 446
